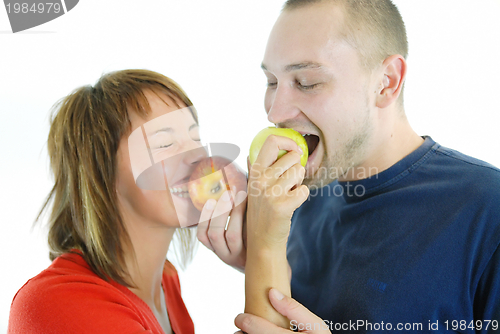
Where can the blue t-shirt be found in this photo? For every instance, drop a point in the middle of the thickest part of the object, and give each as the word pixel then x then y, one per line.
pixel 411 249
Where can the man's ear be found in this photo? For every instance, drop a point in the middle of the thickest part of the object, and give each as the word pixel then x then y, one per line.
pixel 391 81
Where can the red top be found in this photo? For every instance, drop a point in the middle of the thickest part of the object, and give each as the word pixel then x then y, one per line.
pixel 68 297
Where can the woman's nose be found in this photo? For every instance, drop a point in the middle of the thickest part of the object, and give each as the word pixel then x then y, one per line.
pixel 194 152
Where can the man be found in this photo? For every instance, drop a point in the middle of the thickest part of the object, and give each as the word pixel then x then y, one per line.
pixel 398 232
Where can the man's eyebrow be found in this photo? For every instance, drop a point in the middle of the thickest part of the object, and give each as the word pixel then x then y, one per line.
pixel 298 66
pixel 303 65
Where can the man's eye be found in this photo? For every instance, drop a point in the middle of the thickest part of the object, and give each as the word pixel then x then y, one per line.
pixel 307 87
pixel 272 84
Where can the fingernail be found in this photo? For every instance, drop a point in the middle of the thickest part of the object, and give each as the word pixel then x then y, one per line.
pixel 225 196
pixel 300 150
pixel 277 295
pixel 210 204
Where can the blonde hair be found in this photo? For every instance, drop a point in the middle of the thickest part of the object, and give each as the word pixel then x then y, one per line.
pixel 85 131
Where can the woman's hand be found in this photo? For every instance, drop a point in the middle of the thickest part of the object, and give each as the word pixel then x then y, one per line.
pixel 227 242
pixel 301 318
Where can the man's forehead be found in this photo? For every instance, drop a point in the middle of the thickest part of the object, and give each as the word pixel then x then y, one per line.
pixel 326 16
pixel 302 37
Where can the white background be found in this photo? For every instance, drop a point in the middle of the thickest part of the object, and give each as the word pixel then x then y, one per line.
pixel 214 49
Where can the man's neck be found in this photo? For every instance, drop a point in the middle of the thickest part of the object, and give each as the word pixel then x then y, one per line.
pixel 387 149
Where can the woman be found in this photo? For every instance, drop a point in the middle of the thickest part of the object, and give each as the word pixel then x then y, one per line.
pixel 109 235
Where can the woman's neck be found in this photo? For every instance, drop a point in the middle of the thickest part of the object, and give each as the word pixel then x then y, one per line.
pixel 145 258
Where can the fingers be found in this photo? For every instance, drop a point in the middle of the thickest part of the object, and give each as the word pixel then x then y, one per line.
pixel 300 195
pixel 292 177
pixel 252 324
pixel 234 229
pixel 296 312
pixel 288 182
pixel 226 243
pixel 300 318
pixel 271 147
pixel 206 213
pixel 248 164
pixel 282 165
pixel 217 227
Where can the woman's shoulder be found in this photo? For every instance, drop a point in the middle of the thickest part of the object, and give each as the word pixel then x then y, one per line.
pixel 68 273
pixel 68 294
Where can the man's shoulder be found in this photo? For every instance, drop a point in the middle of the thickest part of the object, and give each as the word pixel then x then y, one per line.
pixel 467 161
pixel 467 170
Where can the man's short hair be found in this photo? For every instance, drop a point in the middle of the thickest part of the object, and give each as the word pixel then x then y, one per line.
pixel 374 28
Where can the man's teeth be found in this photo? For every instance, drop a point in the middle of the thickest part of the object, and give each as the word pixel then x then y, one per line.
pixel 181 192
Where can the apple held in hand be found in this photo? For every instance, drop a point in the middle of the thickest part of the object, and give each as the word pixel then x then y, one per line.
pixel 212 177
pixel 260 138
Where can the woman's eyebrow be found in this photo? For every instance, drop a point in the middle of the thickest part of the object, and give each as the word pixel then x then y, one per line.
pixel 172 130
pixel 168 130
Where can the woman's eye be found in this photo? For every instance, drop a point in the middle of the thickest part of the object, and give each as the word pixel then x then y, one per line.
pixel 165 145
pixel 272 84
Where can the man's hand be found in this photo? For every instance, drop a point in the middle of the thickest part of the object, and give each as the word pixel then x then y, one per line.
pixel 301 319
pixel 228 242
pixel 275 190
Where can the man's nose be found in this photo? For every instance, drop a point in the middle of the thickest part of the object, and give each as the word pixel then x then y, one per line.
pixel 282 106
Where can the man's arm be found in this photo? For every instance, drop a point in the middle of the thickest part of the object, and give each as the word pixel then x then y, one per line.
pixel 487 297
pixel 274 193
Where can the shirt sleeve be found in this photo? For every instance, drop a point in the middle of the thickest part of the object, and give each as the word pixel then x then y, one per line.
pixel 487 297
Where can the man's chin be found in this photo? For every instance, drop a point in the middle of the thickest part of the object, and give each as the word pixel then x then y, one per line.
pixel 315 183
pixel 321 177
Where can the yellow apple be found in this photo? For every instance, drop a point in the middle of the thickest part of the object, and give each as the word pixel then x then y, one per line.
pixel 260 138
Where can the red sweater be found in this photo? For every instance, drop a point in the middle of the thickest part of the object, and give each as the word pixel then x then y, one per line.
pixel 68 297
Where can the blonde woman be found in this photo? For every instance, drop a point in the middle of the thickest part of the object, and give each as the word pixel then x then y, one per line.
pixel 108 236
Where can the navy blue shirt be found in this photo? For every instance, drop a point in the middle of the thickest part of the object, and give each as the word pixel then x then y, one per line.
pixel 414 244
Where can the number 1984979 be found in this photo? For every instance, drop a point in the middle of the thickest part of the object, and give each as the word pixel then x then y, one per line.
pixel 41 7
